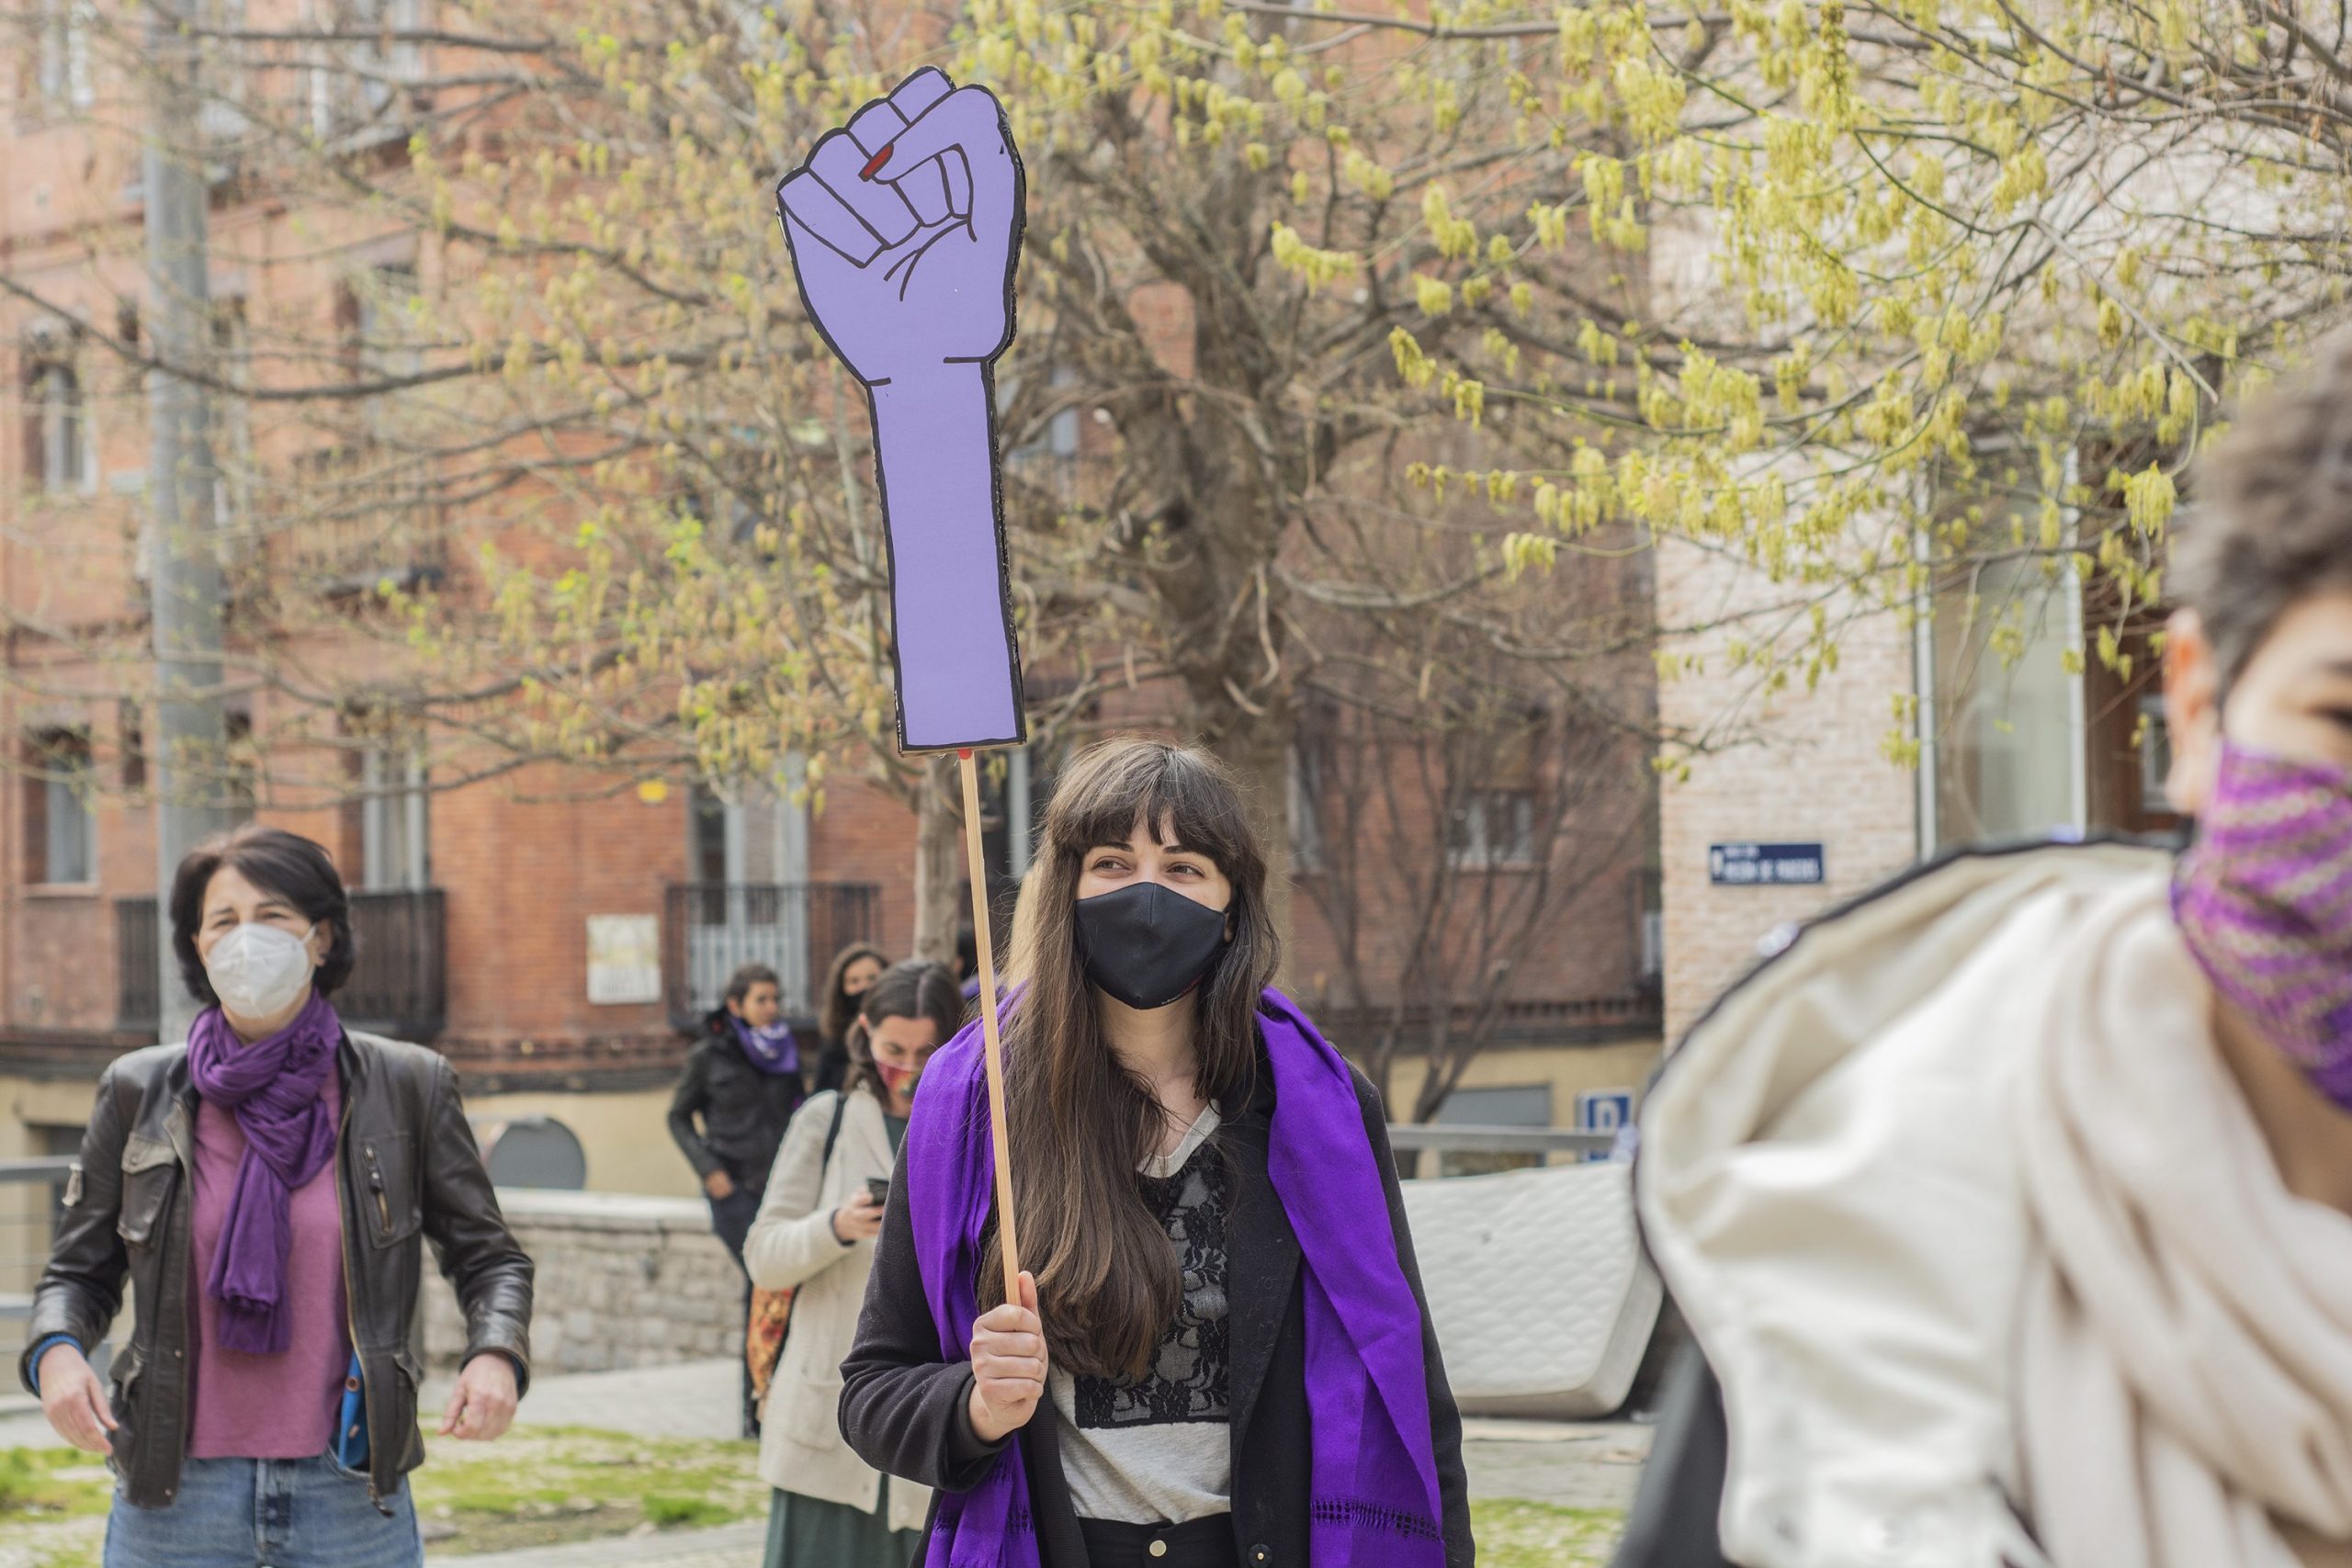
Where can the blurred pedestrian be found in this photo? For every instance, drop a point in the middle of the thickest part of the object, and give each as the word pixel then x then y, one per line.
pixel 740 1086
pixel 266 1189
pixel 2011 1207
pixel 1220 1353
pixel 968 962
pixel 815 1236
pixel 854 967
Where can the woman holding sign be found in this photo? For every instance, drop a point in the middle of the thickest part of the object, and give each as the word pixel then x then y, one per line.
pixel 1220 1355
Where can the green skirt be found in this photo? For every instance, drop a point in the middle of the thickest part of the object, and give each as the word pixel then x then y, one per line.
pixel 808 1532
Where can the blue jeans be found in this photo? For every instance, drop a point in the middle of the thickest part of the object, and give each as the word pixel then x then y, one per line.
pixel 266 1513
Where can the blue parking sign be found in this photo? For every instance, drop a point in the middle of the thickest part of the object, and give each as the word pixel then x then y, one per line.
pixel 1603 1111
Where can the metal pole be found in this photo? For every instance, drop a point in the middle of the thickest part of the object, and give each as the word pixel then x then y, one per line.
pixel 185 579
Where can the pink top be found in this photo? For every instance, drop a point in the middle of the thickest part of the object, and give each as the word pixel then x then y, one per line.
pixel 282 1406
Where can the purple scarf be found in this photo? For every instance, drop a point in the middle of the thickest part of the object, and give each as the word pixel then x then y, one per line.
pixel 1373 1474
pixel 773 1050
pixel 273 1086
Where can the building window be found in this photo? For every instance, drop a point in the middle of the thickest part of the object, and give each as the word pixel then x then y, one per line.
pixel 1527 1106
pixel 2155 749
pixel 395 821
pixel 1493 827
pixel 2009 706
pixel 354 95
pixel 240 765
pixel 131 742
pixel 232 432
pixel 707 834
pixel 1649 907
pixel 57 434
pixel 222 117
pixel 1302 808
pixel 61 830
pixel 1049 461
pixel 64 54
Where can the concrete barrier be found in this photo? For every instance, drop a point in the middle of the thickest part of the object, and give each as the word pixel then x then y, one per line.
pixel 622 1282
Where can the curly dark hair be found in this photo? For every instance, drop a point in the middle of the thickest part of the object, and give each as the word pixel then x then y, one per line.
pixel 2270 520
pixel 277 861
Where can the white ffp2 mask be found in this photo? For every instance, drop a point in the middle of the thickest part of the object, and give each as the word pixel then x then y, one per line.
pixel 259 971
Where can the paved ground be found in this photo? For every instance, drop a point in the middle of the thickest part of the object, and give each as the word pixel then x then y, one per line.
pixel 735 1546
pixel 1584 1465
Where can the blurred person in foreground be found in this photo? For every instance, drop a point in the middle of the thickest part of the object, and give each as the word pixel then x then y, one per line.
pixel 2011 1206
pixel 266 1189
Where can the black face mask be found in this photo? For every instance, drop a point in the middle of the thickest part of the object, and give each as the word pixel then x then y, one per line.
pixel 1147 944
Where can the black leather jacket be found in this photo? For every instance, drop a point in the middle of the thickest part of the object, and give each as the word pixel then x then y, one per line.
pixel 408 1168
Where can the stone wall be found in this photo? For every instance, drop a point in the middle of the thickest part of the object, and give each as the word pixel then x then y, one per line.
pixel 623 1281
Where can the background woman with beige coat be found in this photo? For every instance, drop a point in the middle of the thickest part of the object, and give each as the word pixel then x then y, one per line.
pixel 814 1235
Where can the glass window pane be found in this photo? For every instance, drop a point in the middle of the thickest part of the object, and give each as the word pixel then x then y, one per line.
pixel 2006 753
pixel 67 817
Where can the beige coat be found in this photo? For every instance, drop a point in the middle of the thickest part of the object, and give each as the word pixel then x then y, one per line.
pixel 792 1243
pixel 1829 1182
pixel 1978 1230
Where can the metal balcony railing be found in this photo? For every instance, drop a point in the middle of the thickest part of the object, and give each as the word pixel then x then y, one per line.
pixel 711 929
pixel 400 986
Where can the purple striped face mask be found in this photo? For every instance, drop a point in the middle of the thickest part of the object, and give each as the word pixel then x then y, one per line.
pixel 2264 897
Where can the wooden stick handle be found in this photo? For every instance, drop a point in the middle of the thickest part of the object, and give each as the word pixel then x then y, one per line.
pixel 992 1042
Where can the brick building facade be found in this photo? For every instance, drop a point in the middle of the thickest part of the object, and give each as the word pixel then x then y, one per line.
pixel 550 932
pixel 2042 742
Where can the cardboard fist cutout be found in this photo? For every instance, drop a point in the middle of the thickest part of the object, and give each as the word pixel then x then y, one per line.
pixel 905 230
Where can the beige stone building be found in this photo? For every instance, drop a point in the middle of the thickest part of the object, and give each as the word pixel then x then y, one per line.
pixel 1808 802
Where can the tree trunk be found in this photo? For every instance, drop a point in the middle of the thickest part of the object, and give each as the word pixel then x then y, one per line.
pixel 939 860
pixel 1259 750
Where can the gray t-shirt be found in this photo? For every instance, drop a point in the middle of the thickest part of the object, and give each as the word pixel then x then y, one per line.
pixel 1159 1449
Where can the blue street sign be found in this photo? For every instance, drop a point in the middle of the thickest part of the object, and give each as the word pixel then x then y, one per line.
pixel 1603 1111
pixel 1758 866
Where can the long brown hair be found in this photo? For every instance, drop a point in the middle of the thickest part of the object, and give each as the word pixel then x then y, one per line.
pixel 836 1009
pixel 1080 1121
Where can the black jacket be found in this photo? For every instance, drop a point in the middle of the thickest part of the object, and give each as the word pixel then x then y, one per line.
pixel 832 1066
pixel 1673 1521
pixel 408 1170
pixel 744 1110
pixel 906 1412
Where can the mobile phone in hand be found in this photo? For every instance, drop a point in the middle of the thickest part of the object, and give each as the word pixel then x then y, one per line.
pixel 879 1189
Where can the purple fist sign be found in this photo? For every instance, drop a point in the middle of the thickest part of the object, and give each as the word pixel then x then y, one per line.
pixel 905 229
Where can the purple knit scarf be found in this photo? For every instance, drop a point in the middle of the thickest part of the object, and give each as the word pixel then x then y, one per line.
pixel 2264 899
pixel 273 1086
pixel 1373 1474
pixel 773 1050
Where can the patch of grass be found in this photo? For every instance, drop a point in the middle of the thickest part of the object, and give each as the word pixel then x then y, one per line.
pixel 544 1485
pixel 1540 1535
pixel 52 1482
pixel 52 1508
pixel 685 1513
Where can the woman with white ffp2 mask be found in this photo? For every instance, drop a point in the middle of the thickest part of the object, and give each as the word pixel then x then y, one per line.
pixel 265 1191
pixel 260 971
